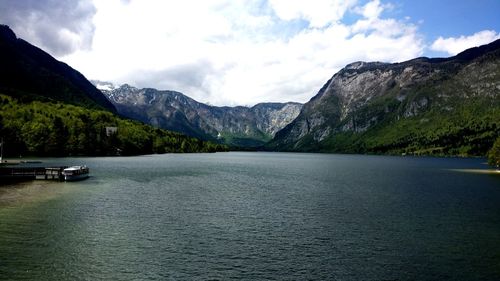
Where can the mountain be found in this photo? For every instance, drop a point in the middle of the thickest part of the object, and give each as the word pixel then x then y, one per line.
pixel 28 73
pixel 237 126
pixel 49 109
pixel 444 106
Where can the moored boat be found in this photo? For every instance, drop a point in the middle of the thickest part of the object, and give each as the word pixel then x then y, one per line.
pixel 75 173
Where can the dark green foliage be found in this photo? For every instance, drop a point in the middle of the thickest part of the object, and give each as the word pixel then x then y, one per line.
pixel 57 129
pixel 494 154
pixel 464 128
pixel 468 130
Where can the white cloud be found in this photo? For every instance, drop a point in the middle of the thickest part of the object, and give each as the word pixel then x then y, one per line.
pixel 59 27
pixel 453 45
pixel 229 52
pixel 318 13
pixel 371 10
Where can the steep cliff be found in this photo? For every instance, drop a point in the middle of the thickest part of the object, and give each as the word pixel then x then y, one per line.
pixel 423 106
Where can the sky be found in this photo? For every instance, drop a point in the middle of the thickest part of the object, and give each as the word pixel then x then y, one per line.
pixel 242 52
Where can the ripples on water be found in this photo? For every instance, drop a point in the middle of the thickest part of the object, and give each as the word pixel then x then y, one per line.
pixel 255 216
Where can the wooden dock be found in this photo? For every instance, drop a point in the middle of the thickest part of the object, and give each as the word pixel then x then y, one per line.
pixel 31 173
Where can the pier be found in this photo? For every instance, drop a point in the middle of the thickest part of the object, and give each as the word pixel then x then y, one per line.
pixel 31 173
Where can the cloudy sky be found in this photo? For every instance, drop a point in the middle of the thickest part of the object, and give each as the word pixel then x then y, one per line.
pixel 241 52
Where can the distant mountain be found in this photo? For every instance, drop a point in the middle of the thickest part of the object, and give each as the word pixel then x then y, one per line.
pixel 447 106
pixel 29 73
pixel 237 126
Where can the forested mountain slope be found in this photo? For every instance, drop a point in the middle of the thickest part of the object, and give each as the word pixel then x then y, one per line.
pixel 28 73
pixel 423 106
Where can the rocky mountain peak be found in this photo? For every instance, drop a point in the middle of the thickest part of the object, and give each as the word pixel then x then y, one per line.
pixel 126 87
pixel 359 65
pixel 364 101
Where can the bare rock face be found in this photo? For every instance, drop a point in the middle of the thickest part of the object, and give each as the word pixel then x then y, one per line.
pixel 272 117
pixel 364 97
pixel 240 126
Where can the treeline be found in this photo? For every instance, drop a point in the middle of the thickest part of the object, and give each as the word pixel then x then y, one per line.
pixel 494 154
pixel 57 129
pixel 469 130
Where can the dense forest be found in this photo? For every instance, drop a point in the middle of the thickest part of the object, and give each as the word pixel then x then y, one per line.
pixel 469 130
pixel 38 128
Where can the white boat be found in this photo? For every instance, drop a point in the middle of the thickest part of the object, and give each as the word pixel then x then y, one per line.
pixel 75 173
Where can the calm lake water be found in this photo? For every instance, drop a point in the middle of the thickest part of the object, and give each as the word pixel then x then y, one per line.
pixel 255 216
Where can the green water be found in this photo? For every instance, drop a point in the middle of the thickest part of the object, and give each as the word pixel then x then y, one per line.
pixel 255 216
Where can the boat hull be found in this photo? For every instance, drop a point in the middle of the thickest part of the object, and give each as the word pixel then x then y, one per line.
pixel 75 177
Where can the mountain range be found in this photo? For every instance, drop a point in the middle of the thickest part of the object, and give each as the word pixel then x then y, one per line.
pixel 237 126
pixel 442 106
pixel 48 108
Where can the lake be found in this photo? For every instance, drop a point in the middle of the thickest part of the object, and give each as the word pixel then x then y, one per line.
pixel 255 216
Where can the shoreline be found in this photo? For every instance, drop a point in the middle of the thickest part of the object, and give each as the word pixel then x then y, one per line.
pixel 478 171
pixel 17 162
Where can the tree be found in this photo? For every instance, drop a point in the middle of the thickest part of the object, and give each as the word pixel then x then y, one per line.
pixel 494 154
pixel 58 137
pixel 46 129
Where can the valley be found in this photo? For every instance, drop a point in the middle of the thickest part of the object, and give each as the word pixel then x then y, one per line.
pixel 425 106
pixel 236 126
